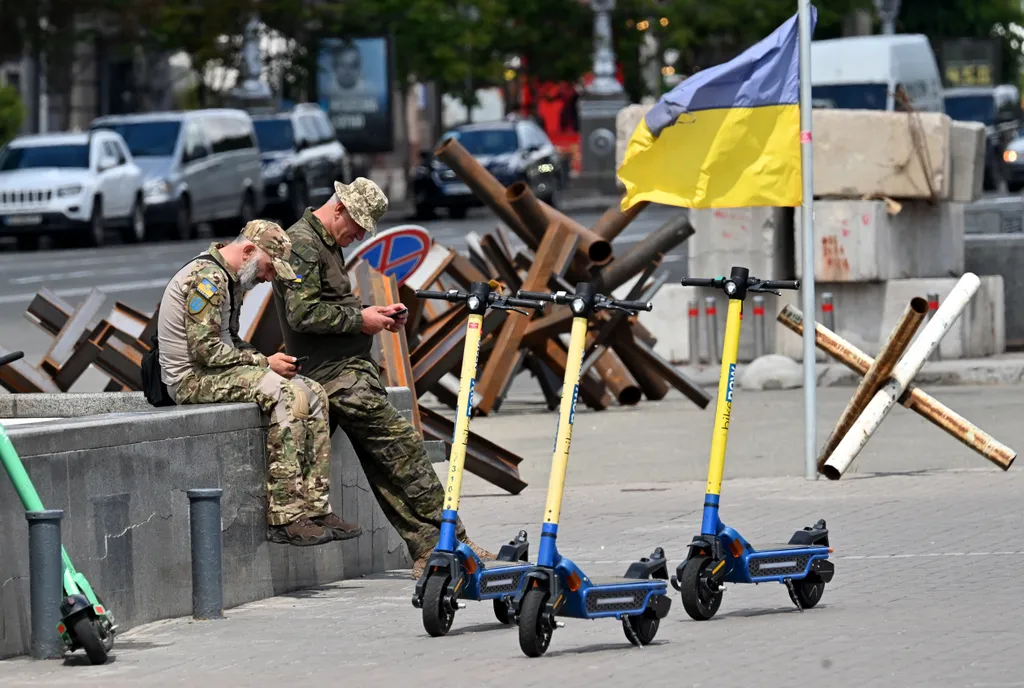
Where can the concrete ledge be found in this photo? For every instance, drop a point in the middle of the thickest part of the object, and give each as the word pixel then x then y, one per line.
pixel 121 479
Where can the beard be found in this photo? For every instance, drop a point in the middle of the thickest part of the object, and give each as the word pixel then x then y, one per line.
pixel 247 276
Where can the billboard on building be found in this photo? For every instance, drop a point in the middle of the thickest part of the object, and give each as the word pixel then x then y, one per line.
pixel 354 89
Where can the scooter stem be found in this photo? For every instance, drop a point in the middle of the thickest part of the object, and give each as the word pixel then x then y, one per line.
pixel 560 459
pixel 723 413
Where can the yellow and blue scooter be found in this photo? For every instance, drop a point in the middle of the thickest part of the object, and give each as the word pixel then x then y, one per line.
pixel 556 586
pixel 720 554
pixel 454 571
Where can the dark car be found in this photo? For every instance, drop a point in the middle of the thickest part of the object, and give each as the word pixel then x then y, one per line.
pixel 302 158
pixel 998 108
pixel 511 151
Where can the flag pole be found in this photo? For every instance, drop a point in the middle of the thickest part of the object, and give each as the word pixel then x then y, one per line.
pixel 807 222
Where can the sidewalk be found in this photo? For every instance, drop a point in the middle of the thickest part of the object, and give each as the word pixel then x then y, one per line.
pixel 928 565
pixel 909 604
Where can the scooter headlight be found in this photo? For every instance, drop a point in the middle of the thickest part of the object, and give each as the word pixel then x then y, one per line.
pixel 473 302
pixel 730 288
pixel 578 305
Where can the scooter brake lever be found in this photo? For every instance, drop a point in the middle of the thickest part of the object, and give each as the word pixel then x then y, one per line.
pixel 758 288
pixel 502 306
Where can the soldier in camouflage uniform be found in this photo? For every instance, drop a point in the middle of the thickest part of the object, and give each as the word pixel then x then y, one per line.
pixel 204 360
pixel 321 318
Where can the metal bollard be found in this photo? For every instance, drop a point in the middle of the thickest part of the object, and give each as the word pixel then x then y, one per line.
pixel 694 324
pixel 760 345
pixel 828 313
pixel 933 305
pixel 207 584
pixel 714 356
pixel 46 585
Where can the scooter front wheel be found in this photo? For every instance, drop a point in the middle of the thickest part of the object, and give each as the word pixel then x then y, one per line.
pixel 534 631
pixel 698 600
pixel 437 614
pixel 89 638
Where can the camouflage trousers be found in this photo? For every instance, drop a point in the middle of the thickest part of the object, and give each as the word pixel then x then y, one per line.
pixel 392 455
pixel 298 439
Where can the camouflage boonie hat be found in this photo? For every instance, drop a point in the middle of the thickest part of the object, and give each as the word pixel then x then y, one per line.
pixel 271 238
pixel 365 202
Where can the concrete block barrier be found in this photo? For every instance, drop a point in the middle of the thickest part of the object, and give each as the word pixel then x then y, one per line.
pixel 121 479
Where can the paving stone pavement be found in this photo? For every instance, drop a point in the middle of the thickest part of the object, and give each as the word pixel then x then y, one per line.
pixel 929 569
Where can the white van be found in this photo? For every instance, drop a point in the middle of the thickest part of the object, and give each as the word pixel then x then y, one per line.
pixel 863 72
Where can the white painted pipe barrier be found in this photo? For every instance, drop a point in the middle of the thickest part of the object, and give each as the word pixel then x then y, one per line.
pixel 904 371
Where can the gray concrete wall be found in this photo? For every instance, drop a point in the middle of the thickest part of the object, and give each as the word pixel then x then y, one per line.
pixel 121 479
pixel 1002 254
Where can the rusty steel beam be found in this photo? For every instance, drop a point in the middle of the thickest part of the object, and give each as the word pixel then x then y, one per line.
pixel 502 264
pixel 877 373
pixel 442 355
pixel 539 217
pixel 483 184
pixel 653 385
pixel 394 346
pixel 611 224
pixel 675 377
pixel 674 232
pixel 507 354
pixel 617 377
pixel 912 398
pixel 552 353
pixel 21 377
pixel 484 458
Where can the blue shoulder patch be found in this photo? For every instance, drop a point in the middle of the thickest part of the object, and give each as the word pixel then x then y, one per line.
pixel 196 304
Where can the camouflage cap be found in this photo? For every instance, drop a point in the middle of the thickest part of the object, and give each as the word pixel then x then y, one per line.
pixel 365 201
pixel 271 238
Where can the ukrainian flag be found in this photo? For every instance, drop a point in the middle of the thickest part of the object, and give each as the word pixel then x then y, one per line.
pixel 727 137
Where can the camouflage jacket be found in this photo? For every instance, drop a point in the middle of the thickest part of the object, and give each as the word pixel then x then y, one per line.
pixel 320 316
pixel 199 321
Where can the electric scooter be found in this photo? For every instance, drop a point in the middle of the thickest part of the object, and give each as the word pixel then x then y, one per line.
pixel 556 586
pixel 454 571
pixel 720 554
pixel 85 623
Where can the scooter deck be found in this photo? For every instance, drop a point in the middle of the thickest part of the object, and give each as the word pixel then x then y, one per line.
pixel 611 581
pixel 780 548
pixel 498 564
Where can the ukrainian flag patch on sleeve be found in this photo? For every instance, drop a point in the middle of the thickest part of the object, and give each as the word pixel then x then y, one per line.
pixel 206 288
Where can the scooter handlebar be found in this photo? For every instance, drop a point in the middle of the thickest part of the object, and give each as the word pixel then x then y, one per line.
pixel 627 305
pixel 779 284
pixel 11 357
pixel 557 297
pixel 524 303
pixel 753 283
pixel 446 295
pixel 701 281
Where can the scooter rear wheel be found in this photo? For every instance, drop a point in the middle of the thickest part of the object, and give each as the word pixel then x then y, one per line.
pixel 534 634
pixel 437 617
pixel 809 591
pixel 89 638
pixel 501 611
pixel 644 628
pixel 698 601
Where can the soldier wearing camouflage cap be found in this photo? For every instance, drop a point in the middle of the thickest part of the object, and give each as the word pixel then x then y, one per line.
pixel 321 318
pixel 203 360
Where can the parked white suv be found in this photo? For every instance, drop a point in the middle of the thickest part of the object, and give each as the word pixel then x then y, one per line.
pixel 70 184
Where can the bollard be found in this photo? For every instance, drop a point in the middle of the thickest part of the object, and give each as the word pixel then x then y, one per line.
pixel 933 305
pixel 712 317
pixel 694 315
pixel 46 588
pixel 207 584
pixel 759 339
pixel 828 313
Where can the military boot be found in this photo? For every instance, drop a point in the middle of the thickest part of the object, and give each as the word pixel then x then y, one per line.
pixel 302 533
pixel 338 528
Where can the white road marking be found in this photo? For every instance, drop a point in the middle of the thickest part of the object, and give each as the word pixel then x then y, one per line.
pixel 26 297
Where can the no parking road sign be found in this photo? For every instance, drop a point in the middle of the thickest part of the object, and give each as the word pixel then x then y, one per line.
pixel 397 251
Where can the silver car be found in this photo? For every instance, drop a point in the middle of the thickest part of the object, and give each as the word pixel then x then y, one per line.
pixel 200 166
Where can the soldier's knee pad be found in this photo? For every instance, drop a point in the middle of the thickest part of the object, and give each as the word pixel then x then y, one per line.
pixel 300 409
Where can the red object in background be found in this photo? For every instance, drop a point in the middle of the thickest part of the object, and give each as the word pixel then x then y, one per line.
pixel 555 105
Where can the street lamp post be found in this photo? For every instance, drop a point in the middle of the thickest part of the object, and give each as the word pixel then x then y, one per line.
pixel 888 10
pixel 599 105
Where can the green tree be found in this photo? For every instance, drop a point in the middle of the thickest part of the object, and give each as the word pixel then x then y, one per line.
pixel 966 19
pixel 12 114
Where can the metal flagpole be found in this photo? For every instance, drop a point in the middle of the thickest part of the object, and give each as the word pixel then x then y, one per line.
pixel 807 222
